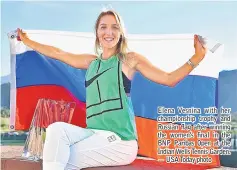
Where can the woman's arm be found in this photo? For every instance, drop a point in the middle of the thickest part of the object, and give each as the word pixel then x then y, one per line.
pixel 169 79
pixel 80 61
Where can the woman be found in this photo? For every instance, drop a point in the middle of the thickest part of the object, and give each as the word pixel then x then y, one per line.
pixel 110 138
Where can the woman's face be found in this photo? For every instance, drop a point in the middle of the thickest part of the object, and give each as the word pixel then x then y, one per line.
pixel 108 32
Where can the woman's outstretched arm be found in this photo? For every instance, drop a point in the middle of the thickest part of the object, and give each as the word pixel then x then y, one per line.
pixel 157 75
pixel 80 61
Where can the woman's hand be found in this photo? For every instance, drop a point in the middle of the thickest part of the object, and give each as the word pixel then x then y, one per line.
pixel 200 50
pixel 21 36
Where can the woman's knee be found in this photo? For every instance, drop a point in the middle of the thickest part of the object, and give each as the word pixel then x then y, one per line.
pixel 55 128
pixel 132 159
pixel 133 154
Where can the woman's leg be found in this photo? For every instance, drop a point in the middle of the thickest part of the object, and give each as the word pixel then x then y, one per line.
pixel 103 148
pixel 73 147
pixel 59 137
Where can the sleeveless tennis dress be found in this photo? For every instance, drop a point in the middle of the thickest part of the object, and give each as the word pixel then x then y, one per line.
pixel 108 107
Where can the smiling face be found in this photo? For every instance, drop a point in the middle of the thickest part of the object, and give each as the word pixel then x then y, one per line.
pixel 108 32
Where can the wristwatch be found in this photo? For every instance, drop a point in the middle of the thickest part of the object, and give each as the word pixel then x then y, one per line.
pixel 191 64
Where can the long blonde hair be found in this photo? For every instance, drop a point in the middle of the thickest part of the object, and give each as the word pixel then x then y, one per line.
pixel 122 46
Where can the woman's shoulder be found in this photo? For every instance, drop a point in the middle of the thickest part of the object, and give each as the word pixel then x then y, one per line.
pixel 88 59
pixel 135 59
pixel 131 58
pixel 134 55
pixel 91 56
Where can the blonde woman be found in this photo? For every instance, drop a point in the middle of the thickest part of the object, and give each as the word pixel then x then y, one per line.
pixel 110 137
